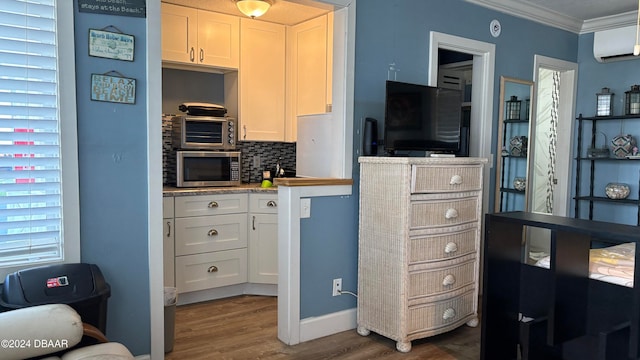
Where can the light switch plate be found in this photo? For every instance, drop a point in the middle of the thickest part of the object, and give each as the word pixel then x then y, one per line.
pixel 305 208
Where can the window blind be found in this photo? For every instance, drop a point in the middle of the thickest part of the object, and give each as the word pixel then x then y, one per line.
pixel 30 163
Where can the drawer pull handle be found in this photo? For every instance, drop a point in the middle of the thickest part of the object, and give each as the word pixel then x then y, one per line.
pixel 455 180
pixel 450 248
pixel 212 269
pixel 272 203
pixel 451 214
pixel 449 280
pixel 450 313
pixel 212 232
pixel 168 228
pixel 212 205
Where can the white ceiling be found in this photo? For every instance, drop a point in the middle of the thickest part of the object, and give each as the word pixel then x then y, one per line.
pixel 281 12
pixel 579 16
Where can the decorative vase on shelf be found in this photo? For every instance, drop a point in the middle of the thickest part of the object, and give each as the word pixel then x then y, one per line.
pixel 622 145
pixel 518 146
pixel 616 191
pixel 520 183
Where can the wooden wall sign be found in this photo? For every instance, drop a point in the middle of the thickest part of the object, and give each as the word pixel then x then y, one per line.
pixel 135 8
pixel 111 45
pixel 109 88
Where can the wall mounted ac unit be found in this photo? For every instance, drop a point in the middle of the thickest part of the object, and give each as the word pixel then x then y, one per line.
pixel 614 44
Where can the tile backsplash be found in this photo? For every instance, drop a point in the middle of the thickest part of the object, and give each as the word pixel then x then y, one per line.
pixel 267 152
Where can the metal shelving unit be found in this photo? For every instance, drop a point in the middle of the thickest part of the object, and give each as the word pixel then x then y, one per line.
pixel 590 198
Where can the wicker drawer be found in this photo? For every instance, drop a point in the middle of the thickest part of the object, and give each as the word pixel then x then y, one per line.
pixel 443 212
pixel 210 270
pixel 200 205
pixel 437 281
pixel 436 247
pixel 438 314
pixel 200 234
pixel 446 178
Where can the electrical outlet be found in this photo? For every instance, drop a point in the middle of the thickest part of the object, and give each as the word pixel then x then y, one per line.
pixel 256 161
pixel 337 287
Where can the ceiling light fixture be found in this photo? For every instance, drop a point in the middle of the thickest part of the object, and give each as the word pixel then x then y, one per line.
pixel 254 8
pixel 636 48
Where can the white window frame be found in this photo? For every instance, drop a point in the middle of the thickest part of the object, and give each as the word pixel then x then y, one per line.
pixel 68 140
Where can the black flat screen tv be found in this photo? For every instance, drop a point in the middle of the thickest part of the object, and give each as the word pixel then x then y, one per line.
pixel 421 118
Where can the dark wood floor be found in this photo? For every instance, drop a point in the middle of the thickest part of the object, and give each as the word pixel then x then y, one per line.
pixel 245 328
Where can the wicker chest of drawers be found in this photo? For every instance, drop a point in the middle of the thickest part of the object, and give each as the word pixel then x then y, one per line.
pixel 419 241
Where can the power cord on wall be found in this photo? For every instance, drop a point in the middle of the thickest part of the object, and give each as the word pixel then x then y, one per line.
pixel 348 292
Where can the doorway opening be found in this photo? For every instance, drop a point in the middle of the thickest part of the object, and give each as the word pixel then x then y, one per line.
pixel 482 94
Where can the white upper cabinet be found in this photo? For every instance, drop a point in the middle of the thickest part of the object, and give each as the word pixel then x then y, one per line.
pixel 262 81
pixel 310 45
pixel 198 37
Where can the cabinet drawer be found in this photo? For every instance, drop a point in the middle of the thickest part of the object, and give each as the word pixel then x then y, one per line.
pixel 210 270
pixel 441 313
pixel 167 207
pixel 200 234
pixel 436 247
pixel 443 212
pixel 263 203
pixel 210 204
pixel 441 280
pixel 449 178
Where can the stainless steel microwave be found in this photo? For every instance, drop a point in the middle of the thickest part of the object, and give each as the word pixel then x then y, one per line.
pixel 207 168
pixel 204 133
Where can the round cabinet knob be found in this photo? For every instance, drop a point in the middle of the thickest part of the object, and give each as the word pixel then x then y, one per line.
pixel 212 232
pixel 449 280
pixel 450 313
pixel 450 248
pixel 212 204
pixel 272 203
pixel 455 180
pixel 212 269
pixel 451 213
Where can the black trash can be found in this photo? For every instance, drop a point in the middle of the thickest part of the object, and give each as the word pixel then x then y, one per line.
pixel 79 285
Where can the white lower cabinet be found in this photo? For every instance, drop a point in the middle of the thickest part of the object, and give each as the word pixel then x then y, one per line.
pixel 210 241
pixel 263 238
pixel 215 241
pixel 168 231
pixel 210 270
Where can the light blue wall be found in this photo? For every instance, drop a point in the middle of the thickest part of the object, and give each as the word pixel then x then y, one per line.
pixel 397 31
pixel 618 76
pixel 328 247
pixel 112 150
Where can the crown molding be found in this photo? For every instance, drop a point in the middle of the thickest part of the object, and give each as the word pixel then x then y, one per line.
pixel 557 20
pixel 610 22
pixel 532 12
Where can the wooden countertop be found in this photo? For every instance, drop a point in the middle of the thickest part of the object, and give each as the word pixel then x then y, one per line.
pixel 311 181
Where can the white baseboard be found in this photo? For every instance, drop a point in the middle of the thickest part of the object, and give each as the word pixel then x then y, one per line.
pixel 143 357
pixel 320 326
pixel 227 291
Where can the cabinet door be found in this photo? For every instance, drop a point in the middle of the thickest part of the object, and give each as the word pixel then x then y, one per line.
pixel 179 33
pixel 168 252
pixel 218 40
pixel 263 248
pixel 262 81
pixel 309 65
